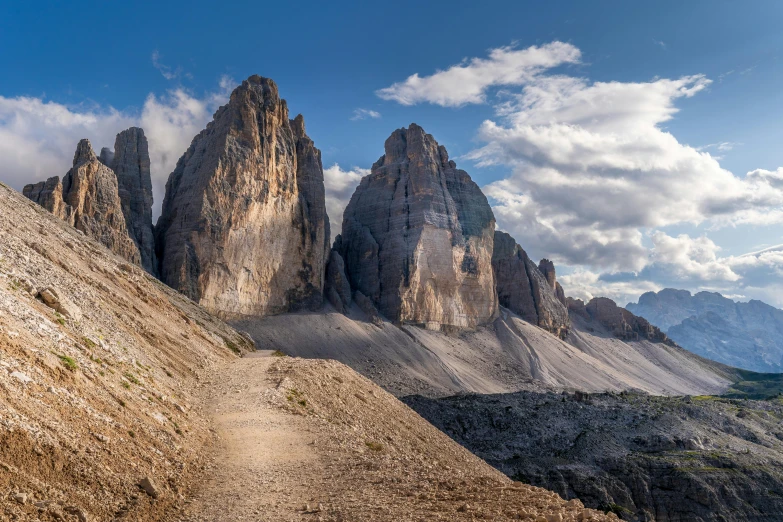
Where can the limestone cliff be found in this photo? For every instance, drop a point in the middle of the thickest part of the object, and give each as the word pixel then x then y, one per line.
pixel 244 229
pixel 417 237
pixel 130 161
pixel 527 290
pixel 88 199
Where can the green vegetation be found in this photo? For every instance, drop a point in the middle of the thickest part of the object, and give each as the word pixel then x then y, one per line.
pixel 616 509
pixel 89 343
pixel 132 434
pixel 132 378
pixel 278 353
pixel 232 346
pixel 375 446
pixel 754 385
pixel 68 362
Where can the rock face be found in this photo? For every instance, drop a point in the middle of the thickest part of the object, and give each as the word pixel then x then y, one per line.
pixel 526 289
pixel 417 237
pixel 747 335
pixel 88 199
pixel 244 230
pixel 337 288
pixel 130 161
pixel 622 323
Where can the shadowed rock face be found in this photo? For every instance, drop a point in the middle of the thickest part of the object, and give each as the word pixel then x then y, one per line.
pixel 88 199
pixel 244 230
pixel 622 323
pixel 131 163
pixel 526 289
pixel 417 237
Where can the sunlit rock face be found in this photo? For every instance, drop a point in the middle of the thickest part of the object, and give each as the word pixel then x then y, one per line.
pixel 244 229
pixel 88 199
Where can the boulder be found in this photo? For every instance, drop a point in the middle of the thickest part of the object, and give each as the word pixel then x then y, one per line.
pixel 417 237
pixel 243 229
pixel 57 300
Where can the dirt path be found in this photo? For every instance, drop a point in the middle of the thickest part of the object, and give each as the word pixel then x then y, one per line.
pixel 313 441
pixel 266 456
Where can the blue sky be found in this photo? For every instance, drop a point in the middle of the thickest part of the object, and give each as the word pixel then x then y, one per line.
pixel 87 70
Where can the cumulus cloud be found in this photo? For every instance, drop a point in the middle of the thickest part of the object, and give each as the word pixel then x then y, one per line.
pixel 594 175
pixel 468 81
pixel 340 185
pixel 38 137
pixel 362 114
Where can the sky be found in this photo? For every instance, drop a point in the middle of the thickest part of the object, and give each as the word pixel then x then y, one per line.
pixel 636 144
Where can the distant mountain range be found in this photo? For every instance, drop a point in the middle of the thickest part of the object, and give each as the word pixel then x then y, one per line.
pixel 746 335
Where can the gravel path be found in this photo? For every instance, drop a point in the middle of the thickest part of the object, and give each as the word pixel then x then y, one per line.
pixel 266 454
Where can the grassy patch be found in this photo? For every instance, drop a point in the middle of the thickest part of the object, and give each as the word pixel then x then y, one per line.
pixel 278 353
pixel 132 378
pixel 68 362
pixel 89 343
pixel 232 345
pixel 374 446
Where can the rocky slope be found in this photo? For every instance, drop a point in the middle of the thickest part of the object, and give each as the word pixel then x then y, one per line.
pixel 646 458
pixel 122 400
pixel 507 355
pixel 98 362
pixel 526 289
pixel 130 162
pixel 244 230
pixel 746 335
pixel 417 237
pixel 88 199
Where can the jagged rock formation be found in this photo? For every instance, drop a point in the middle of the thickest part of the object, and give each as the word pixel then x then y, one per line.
pixel 747 335
pixel 88 199
pixel 244 229
pixel 622 323
pixel 337 288
pixel 526 289
pixel 130 161
pixel 417 237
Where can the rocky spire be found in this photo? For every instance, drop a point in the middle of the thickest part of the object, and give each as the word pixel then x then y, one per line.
pixel 417 237
pixel 106 156
pixel 528 290
pixel 131 164
pixel 88 199
pixel 244 229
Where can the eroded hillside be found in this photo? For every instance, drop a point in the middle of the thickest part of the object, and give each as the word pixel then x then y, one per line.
pixel 98 361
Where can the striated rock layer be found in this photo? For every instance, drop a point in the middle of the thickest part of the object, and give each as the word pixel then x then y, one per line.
pixel 244 229
pixel 88 199
pixel 130 161
pixel 417 237
pixel 529 291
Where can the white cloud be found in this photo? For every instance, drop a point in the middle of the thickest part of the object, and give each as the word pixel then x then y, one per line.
pixel 340 185
pixel 38 137
pixel 361 114
pixel 468 82
pixel 165 70
pixel 660 43
pixel 594 175
pixel 591 163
